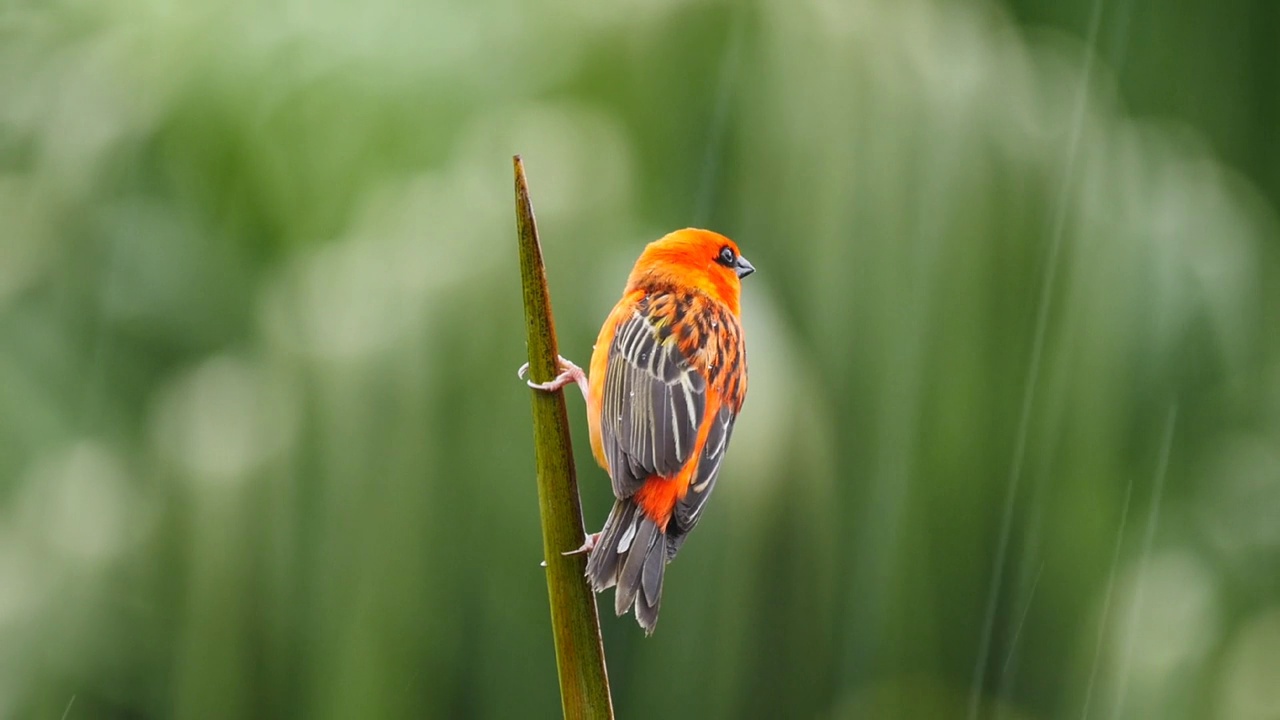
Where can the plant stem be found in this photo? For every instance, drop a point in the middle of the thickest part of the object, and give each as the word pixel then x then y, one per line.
pixel 575 624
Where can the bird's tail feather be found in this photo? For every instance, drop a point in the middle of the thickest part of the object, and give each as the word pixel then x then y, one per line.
pixel 631 554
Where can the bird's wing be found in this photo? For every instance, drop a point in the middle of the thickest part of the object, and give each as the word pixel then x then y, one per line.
pixel 653 402
pixel 689 508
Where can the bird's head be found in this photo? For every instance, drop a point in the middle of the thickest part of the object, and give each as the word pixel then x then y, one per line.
pixel 702 259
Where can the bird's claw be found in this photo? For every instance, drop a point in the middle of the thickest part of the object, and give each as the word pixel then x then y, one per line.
pixel 568 373
pixel 587 545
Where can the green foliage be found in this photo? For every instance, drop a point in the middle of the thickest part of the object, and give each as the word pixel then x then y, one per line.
pixel 263 452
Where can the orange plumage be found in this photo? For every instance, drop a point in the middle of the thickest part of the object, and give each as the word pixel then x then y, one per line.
pixel 667 379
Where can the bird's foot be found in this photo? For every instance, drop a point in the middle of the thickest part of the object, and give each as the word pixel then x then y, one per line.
pixel 568 373
pixel 587 545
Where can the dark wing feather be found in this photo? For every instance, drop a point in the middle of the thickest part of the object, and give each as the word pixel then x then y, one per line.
pixel 689 509
pixel 654 401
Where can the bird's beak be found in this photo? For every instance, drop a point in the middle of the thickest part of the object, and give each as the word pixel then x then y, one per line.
pixel 743 268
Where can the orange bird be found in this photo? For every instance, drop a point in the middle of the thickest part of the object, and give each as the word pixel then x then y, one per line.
pixel 668 377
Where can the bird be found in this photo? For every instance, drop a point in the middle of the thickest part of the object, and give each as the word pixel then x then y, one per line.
pixel 668 377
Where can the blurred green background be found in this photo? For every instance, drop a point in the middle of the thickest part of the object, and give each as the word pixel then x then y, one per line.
pixel 1012 445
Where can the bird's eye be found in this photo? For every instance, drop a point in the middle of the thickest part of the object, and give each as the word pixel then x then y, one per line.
pixel 726 257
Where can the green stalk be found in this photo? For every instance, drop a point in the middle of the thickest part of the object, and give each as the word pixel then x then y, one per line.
pixel 575 624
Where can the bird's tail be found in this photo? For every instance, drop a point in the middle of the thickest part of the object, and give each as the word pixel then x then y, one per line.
pixel 630 553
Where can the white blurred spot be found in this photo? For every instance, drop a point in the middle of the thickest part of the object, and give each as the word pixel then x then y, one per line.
pixel 1241 483
pixel 755 457
pixel 341 303
pixel 22 584
pixel 844 18
pixel 224 420
pixel 80 503
pixel 411 246
pixel 1203 237
pixel 946 47
pixel 1251 671
pixel 81 98
pixel 1172 590
pixel 416 243
pixel 575 158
